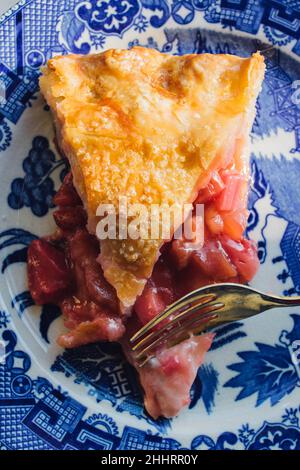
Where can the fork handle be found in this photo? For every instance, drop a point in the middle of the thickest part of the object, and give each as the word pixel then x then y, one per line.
pixel 274 301
pixel 241 302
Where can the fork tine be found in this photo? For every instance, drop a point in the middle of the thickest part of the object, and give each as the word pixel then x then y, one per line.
pixel 189 322
pixel 206 298
pixel 181 334
pixel 152 334
pixel 152 348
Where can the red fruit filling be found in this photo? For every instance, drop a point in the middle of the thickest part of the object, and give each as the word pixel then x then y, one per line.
pixel 67 194
pixel 49 276
pixel 63 269
pixel 167 379
pixel 67 273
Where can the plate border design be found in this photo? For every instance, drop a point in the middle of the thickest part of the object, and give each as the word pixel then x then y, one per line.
pixel 34 414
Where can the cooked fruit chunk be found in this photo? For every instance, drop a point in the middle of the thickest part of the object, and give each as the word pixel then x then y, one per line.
pixel 212 190
pixel 168 378
pixel 70 218
pixel 104 327
pixel 49 277
pixel 67 194
pixel 230 197
pixel 213 261
pixel 243 255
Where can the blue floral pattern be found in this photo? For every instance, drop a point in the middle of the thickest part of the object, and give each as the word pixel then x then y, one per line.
pixel 71 30
pixel 98 41
pixel 160 9
pixel 49 417
pixel 12 238
pixel 5 136
pixel 108 16
pixel 140 25
pixel 270 371
pixel 36 189
pixel 4 319
pixel 276 437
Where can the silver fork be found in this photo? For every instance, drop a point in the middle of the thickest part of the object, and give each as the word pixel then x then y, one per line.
pixel 199 310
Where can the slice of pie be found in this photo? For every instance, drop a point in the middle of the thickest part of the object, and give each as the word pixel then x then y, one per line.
pixel 158 130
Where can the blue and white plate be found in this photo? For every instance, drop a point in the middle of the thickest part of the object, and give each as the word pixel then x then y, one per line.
pixel 246 395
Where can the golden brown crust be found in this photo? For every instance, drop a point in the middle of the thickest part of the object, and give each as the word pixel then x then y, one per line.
pixel 148 126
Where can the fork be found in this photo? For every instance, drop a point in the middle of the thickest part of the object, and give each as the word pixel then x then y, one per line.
pixel 204 308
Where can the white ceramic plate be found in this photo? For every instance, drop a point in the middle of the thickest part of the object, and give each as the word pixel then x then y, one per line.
pixel 246 395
